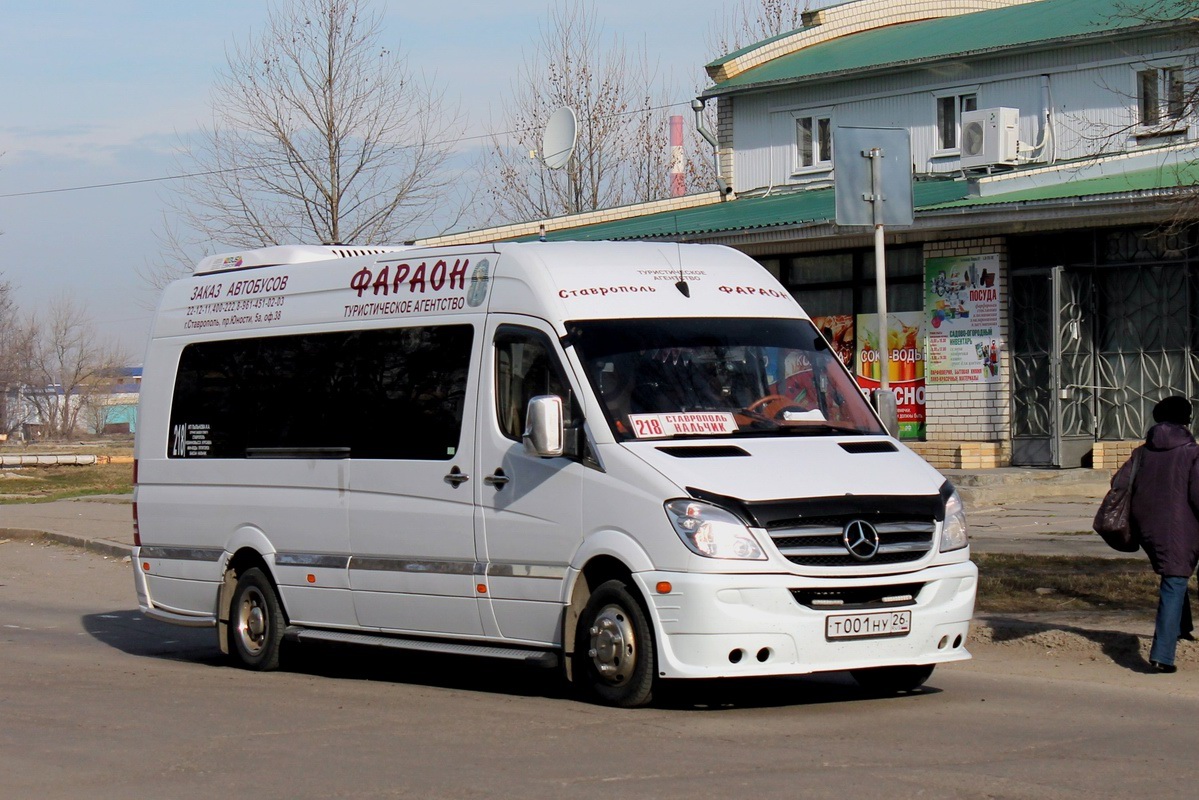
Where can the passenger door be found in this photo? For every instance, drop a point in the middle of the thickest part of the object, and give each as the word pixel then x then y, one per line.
pixel 531 509
pixel 411 511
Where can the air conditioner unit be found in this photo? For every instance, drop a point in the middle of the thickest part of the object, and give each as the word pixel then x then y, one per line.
pixel 989 136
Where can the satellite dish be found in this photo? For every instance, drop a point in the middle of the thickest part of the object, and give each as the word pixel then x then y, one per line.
pixel 558 140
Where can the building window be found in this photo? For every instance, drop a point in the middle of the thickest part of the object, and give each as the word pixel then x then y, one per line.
pixel 1161 96
pixel 949 118
pixel 814 141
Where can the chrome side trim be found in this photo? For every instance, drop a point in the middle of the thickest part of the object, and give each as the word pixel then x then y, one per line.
pixel 315 560
pixel 539 571
pixel 182 553
pixel 382 564
pixel 443 567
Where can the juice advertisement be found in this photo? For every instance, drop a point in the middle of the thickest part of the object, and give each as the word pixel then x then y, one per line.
pixel 905 368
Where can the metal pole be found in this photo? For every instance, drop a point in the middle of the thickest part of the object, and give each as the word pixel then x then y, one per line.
pixel 880 268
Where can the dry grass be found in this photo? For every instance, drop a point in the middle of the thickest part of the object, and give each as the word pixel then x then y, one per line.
pixel 1019 583
pixel 43 484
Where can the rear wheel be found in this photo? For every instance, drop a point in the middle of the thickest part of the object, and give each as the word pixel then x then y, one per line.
pixel 892 680
pixel 256 622
pixel 614 648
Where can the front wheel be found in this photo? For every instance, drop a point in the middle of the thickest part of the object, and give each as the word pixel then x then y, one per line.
pixel 892 680
pixel 256 622
pixel 614 648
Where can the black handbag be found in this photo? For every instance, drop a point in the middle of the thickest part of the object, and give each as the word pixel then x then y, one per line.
pixel 1113 520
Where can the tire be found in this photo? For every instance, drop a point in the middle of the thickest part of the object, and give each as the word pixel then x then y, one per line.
pixel 614 658
pixel 892 680
pixel 255 622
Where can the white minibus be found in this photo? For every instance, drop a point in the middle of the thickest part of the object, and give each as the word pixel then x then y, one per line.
pixel 639 461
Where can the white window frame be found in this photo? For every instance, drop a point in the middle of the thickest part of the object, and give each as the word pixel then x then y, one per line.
pixel 816 120
pixel 962 98
pixel 1165 111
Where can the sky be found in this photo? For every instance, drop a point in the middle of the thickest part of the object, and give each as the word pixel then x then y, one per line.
pixel 103 93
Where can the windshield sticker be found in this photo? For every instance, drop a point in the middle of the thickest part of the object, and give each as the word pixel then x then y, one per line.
pixel 191 440
pixel 814 415
pixel 691 423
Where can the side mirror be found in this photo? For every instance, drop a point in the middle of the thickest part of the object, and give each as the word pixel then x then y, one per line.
pixel 544 434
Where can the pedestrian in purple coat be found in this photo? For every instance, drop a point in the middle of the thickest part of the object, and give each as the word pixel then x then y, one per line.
pixel 1165 508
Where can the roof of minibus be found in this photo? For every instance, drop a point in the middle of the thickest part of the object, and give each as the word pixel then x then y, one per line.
pixel 556 281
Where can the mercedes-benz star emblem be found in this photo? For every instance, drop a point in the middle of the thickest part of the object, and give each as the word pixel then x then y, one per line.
pixel 861 539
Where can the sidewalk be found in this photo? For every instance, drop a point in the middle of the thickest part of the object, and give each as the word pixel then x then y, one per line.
pixel 101 524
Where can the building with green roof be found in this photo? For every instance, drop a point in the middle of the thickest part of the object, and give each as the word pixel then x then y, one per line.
pixel 1053 150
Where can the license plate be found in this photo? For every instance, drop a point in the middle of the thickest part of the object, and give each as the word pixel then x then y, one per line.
pixel 860 626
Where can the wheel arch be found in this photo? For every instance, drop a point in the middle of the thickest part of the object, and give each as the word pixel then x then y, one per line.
pixel 604 556
pixel 245 558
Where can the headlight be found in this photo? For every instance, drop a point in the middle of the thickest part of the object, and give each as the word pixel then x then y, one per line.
pixel 710 531
pixel 953 530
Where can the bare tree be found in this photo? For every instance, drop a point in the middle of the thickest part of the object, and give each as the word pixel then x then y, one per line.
pixel 622 154
pixel 64 363
pixel 10 347
pixel 751 21
pixel 318 133
pixel 1161 107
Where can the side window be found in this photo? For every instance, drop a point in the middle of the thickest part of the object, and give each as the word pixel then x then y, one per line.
pixel 1161 96
pixel 394 393
pixel 813 141
pixel 949 118
pixel 525 367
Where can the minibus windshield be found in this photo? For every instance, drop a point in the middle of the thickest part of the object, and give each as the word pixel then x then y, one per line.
pixel 666 378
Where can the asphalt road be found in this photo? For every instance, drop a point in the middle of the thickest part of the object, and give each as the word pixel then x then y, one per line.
pixel 98 702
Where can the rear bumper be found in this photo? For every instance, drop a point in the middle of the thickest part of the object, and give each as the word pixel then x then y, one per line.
pixel 160 612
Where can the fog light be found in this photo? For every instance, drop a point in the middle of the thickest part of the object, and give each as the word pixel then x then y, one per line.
pixel 957 642
pixel 944 641
pixel 763 654
pixel 736 656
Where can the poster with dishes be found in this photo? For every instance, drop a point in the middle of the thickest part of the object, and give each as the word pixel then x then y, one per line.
pixel 905 372
pixel 838 330
pixel 961 301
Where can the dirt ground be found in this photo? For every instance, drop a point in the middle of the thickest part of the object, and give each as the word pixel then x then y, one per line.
pixel 1107 649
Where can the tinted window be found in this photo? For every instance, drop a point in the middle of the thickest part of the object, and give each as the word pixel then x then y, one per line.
pixel 396 393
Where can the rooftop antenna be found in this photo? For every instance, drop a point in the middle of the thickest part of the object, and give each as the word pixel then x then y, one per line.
pixel 558 146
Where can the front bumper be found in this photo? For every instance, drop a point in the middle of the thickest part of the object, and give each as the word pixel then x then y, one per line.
pixel 721 625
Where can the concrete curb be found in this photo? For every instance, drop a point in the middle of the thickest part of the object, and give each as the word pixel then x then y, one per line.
pixel 102 547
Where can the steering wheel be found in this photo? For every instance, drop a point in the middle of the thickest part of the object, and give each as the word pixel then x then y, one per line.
pixel 770 406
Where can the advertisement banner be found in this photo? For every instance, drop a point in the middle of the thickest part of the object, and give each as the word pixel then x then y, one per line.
pixel 961 301
pixel 905 336
pixel 838 330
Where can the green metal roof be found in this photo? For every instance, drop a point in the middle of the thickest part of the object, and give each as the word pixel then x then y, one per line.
pixel 1139 181
pixel 966 34
pixel 748 213
pixel 817 206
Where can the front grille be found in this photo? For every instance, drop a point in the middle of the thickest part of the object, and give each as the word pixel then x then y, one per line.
pixel 820 544
pixel 808 531
pixel 858 597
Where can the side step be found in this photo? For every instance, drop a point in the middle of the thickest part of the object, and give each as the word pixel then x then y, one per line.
pixel 539 658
